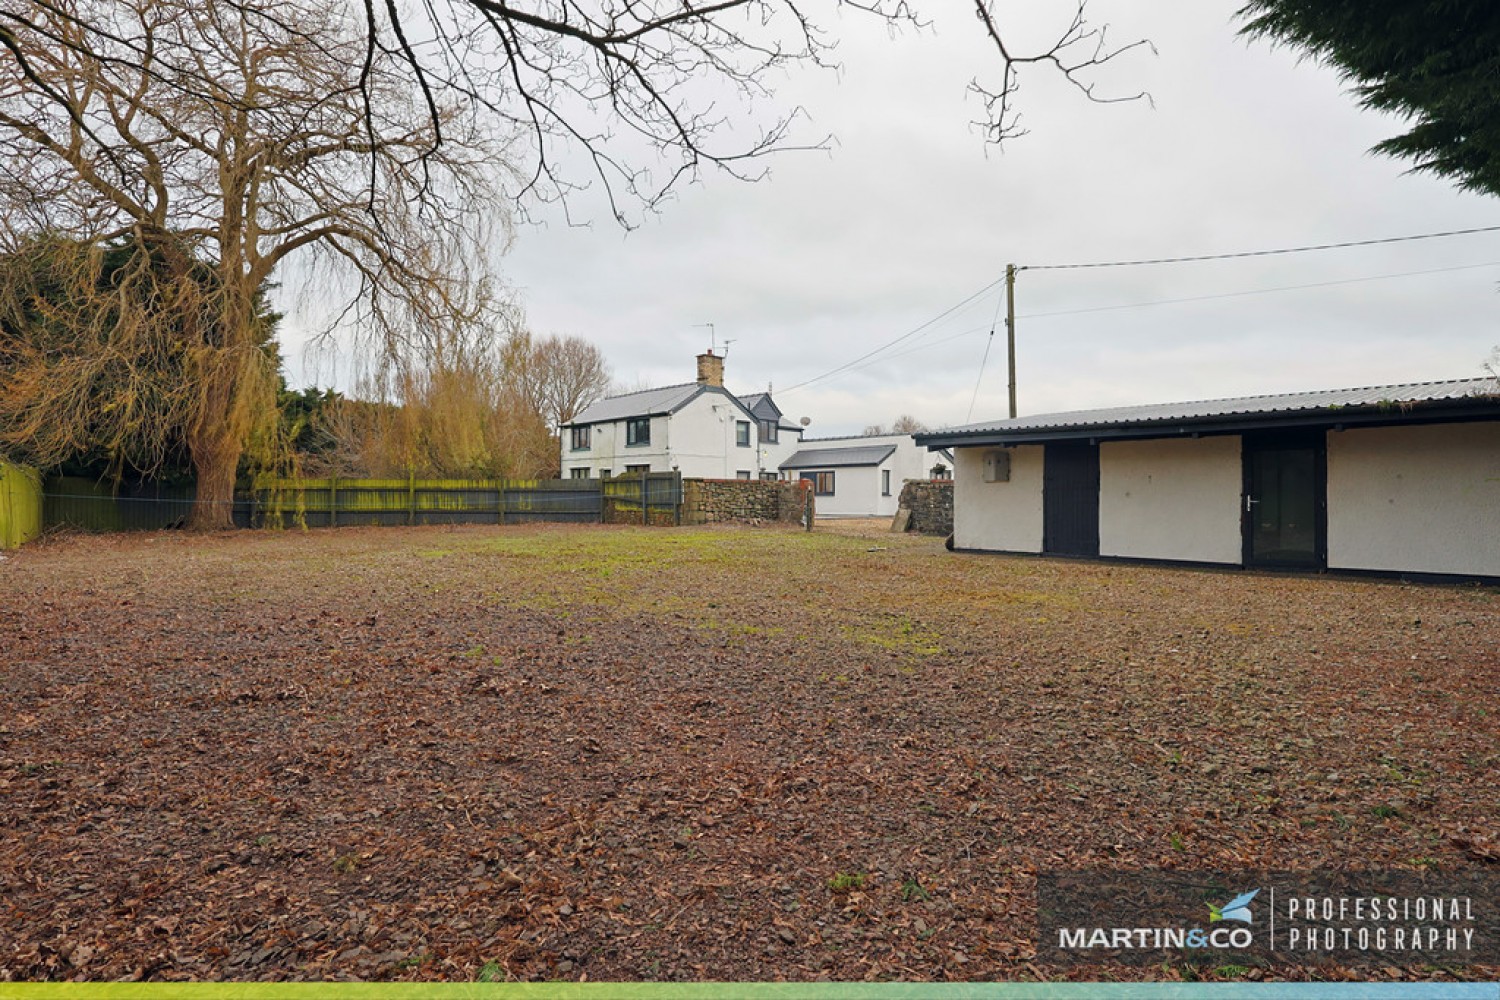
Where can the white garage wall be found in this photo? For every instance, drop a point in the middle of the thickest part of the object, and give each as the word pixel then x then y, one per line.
pixel 1005 517
pixel 1423 499
pixel 1175 498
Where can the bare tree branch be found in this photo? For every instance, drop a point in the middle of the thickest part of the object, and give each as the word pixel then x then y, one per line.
pixel 636 87
pixel 1077 50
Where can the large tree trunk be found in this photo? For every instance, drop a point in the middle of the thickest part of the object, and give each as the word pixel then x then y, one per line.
pixel 216 459
pixel 216 434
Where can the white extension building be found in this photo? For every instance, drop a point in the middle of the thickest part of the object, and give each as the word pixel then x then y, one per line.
pixel 1401 480
pixel 860 476
pixel 699 428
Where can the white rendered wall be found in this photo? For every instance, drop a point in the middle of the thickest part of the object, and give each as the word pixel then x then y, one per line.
pixel 1171 498
pixel 883 504
pixel 855 493
pixel 1421 499
pixel 702 439
pixel 1001 517
pixel 607 449
pixel 772 455
pixel 909 462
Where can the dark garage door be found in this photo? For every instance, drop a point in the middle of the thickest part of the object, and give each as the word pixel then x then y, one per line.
pixel 1070 499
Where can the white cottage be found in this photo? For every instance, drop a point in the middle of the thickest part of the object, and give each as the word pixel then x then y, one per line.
pixel 699 428
pixel 1400 479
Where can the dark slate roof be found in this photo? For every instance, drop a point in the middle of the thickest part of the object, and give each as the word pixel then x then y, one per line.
pixel 648 403
pixel 828 458
pixel 762 405
pixel 1456 399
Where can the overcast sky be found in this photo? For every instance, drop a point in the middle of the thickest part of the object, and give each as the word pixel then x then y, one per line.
pixel 908 214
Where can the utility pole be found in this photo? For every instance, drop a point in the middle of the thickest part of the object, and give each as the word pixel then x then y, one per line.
pixel 1010 331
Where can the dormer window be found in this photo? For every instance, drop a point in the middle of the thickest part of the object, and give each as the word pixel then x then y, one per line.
pixel 768 430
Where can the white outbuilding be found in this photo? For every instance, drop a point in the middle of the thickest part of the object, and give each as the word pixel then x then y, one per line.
pixel 1399 480
pixel 860 476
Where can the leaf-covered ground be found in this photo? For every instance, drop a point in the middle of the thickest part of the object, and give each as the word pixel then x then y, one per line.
pixel 620 753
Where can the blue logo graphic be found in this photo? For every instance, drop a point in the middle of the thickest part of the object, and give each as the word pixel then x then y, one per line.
pixel 1237 908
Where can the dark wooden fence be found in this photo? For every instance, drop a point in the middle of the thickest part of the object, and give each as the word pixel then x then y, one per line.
pixel 638 498
pixel 321 503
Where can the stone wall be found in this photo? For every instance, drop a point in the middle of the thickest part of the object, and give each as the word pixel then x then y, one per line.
pixel 746 501
pixel 931 504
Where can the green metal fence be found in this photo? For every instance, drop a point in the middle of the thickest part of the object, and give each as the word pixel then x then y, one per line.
pixel 92 505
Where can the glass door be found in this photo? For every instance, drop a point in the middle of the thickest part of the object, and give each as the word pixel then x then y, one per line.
pixel 1284 501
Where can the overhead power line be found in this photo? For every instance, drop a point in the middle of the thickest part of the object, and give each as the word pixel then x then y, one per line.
pixel 1259 253
pixel 860 362
pixel 889 344
pixel 971 331
pixel 1257 291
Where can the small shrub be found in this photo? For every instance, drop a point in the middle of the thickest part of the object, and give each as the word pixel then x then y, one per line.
pixel 911 890
pixel 845 881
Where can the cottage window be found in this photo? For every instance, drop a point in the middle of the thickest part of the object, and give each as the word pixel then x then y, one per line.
pixel 742 433
pixel 580 438
pixel 768 429
pixel 885 482
pixel 743 474
pixel 638 431
pixel 580 473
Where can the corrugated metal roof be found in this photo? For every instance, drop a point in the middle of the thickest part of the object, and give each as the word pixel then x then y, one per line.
pixel 1240 406
pixel 828 458
pixel 645 403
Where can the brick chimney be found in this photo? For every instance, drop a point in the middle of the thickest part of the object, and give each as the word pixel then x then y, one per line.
pixel 710 369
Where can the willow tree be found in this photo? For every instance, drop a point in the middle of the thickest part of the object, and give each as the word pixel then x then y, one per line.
pixel 218 140
pixel 86 372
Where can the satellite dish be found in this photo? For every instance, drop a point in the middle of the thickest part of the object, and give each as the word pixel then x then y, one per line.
pixel 805 421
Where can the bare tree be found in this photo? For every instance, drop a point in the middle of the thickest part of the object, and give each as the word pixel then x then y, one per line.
pixel 638 87
pixel 216 139
pixel 907 424
pixel 562 376
pixel 873 430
